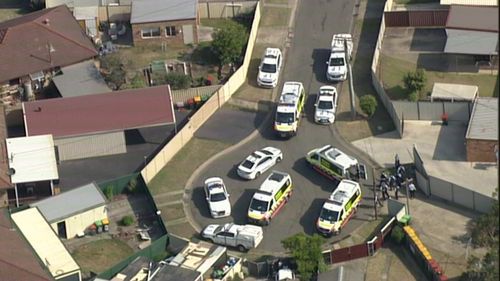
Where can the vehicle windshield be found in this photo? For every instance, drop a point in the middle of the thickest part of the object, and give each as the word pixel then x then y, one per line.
pixel 329 215
pixel 216 197
pixel 325 105
pixel 259 205
pixel 282 117
pixel 336 61
pixel 268 68
pixel 247 164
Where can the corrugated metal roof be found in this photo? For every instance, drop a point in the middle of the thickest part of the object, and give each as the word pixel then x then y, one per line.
pixel 454 92
pixel 483 124
pixel 32 158
pixel 98 113
pixel 45 242
pixel 471 42
pixel 481 18
pixel 144 11
pixel 470 2
pixel 71 202
pixel 79 80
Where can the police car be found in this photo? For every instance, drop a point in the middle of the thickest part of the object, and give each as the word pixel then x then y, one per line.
pixel 269 69
pixel 258 162
pixel 326 105
pixel 217 198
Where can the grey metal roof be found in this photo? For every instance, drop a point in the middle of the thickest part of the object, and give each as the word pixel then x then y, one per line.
pixel 481 18
pixel 471 42
pixel 71 202
pixel 483 124
pixel 454 92
pixel 144 11
pixel 79 80
pixel 176 273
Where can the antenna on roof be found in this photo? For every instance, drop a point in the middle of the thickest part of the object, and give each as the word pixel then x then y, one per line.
pixel 38 109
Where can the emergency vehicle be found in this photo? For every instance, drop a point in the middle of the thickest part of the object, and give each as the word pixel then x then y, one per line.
pixel 272 195
pixel 290 107
pixel 339 208
pixel 335 164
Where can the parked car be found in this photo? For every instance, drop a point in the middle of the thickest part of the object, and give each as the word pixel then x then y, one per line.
pixel 326 105
pixel 243 237
pixel 258 162
pixel 269 69
pixel 217 198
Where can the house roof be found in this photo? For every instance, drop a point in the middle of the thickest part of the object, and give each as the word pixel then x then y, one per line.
pixel 72 3
pixel 454 92
pixel 175 273
pixel 4 159
pixel 479 18
pixel 17 260
pixel 90 114
pixel 32 159
pixel 144 11
pixel 470 2
pixel 42 40
pixel 69 203
pixel 483 124
pixel 44 241
pixel 80 79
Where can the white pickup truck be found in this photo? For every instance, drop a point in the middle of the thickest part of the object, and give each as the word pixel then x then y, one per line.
pixel 337 63
pixel 243 237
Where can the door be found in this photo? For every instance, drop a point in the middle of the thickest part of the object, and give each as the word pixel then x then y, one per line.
pixel 187 33
pixel 61 229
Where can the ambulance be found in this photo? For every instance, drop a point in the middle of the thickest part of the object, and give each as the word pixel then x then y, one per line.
pixel 335 164
pixel 290 107
pixel 339 208
pixel 272 195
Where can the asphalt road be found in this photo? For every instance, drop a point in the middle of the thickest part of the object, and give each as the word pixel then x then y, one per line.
pixel 316 22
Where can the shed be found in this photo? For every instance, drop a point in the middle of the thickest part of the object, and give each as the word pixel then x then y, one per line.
pixel 141 267
pixel 482 133
pixel 32 164
pixel 70 213
pixel 79 80
pixel 45 243
pixel 95 125
pixel 454 92
pixel 472 30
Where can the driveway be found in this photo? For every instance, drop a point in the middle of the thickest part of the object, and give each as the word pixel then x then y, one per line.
pixel 316 21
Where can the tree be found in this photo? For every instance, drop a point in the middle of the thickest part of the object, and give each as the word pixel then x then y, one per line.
pixel 228 43
pixel 306 251
pixel 368 104
pixel 415 81
pixel 176 80
pixel 114 71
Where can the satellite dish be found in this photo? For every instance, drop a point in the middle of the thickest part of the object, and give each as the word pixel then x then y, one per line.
pixel 11 171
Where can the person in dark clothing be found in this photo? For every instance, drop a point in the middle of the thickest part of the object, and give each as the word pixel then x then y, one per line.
pixel 392 182
pixel 396 191
pixel 401 170
pixel 396 161
pixel 385 194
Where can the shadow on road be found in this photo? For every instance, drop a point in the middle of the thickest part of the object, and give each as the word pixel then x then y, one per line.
pixel 320 58
pixel 308 220
pixel 198 199
pixel 240 207
pixel 302 167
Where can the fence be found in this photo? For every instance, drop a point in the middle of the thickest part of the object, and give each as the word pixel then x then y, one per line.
pixel 416 18
pixel 209 107
pixel 117 185
pixel 432 111
pixel 224 9
pixel 184 95
pixel 433 186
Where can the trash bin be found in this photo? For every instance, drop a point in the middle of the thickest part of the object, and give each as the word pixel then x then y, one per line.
pixel 105 224
pixel 98 225
pixel 405 220
pixel 92 229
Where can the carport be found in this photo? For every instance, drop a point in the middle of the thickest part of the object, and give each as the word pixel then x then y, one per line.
pixel 79 80
pixel 454 92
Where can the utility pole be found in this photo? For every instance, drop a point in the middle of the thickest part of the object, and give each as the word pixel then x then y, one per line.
pixel 374 193
pixel 351 86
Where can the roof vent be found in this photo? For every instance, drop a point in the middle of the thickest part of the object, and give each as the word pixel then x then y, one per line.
pixel 46 21
pixel 38 109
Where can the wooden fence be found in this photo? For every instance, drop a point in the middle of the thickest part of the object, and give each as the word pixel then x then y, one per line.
pixel 416 18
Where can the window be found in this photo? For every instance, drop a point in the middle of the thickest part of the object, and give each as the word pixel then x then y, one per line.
pixel 170 31
pixel 150 32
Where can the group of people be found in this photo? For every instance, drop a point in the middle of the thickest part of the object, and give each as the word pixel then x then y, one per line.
pixel 395 182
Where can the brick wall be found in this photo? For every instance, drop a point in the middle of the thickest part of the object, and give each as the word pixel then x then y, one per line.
pixel 481 150
pixel 177 40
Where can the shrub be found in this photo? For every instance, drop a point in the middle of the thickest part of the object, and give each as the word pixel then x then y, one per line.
pixel 397 234
pixel 132 186
pixel 368 104
pixel 108 191
pixel 413 96
pixel 127 220
pixel 415 80
pixel 176 81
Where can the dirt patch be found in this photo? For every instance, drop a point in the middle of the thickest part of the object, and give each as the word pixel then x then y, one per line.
pixel 97 256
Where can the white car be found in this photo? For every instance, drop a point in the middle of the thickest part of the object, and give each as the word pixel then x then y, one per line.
pixel 269 69
pixel 326 105
pixel 337 63
pixel 259 161
pixel 217 198
pixel 244 237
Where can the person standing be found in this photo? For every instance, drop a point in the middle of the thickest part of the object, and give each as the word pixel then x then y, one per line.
pixel 401 170
pixel 392 182
pixel 385 194
pixel 396 191
pixel 377 201
pixel 396 161
pixel 412 189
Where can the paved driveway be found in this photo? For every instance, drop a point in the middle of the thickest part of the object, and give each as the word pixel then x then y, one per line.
pixel 316 22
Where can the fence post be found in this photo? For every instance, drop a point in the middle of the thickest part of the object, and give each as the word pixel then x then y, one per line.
pixel 418 110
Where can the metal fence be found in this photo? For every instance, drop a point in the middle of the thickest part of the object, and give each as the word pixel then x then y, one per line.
pixel 432 111
pixel 416 18
pixel 186 94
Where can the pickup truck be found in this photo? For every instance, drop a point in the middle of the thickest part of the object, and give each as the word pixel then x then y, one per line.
pixel 337 63
pixel 243 237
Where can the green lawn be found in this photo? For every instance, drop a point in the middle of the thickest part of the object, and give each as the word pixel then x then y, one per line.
pixel 97 256
pixel 392 71
pixel 176 173
pixel 216 23
pixel 274 17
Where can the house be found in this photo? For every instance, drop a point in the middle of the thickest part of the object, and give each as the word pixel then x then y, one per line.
pixel 43 240
pixel 18 262
pixel 70 213
pixel 95 125
pixel 35 46
pixel 32 167
pixel 166 22
pixel 482 133
pixel 472 30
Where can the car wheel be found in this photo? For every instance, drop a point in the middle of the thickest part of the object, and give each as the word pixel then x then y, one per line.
pixel 279 159
pixel 257 174
pixel 242 248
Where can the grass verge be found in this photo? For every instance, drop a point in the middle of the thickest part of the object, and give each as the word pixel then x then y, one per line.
pixel 99 255
pixel 176 173
pixel 392 71
pixel 275 16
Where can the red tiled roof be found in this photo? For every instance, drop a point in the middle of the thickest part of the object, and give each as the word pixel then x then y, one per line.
pixel 115 111
pixel 42 40
pixel 4 159
pixel 17 260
